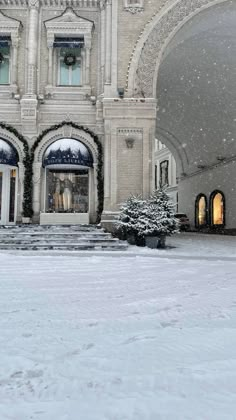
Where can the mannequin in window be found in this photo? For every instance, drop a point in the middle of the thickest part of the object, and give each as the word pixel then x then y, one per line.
pixel 67 194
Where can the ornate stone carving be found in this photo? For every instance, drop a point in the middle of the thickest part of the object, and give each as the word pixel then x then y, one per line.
pixel 69 24
pixel 134 7
pixel 102 4
pixel 33 4
pixel 146 58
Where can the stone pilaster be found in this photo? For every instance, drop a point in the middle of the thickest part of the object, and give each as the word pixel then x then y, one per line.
pixel 37 188
pixel 29 101
pixel 108 43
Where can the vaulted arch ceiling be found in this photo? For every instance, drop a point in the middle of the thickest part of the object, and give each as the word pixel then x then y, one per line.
pixel 196 86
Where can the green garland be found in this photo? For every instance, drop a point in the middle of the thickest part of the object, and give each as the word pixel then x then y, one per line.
pixel 100 186
pixel 27 198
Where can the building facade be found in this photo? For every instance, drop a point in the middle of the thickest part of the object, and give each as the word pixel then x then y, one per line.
pixel 81 103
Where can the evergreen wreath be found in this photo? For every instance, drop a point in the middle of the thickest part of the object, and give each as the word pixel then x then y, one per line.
pixel 70 59
pixel 100 184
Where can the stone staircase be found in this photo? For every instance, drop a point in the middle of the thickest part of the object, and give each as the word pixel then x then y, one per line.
pixel 66 238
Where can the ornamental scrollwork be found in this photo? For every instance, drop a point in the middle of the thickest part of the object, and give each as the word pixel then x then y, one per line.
pixel 152 48
pixel 133 6
pixel 134 10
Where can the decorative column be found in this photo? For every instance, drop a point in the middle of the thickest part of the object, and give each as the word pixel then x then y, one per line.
pixel 83 66
pixel 32 46
pixel 50 60
pixel 37 189
pixel 20 195
pixel 102 46
pixel 15 43
pixel 108 42
pixel 29 100
pixel 87 59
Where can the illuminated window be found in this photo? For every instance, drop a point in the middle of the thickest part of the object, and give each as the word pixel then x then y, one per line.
pixel 217 209
pixel 201 210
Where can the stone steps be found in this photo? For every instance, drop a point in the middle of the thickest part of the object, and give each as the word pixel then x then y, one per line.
pixel 66 238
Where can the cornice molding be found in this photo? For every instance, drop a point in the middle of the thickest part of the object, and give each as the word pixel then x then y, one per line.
pixel 52 4
pixel 69 23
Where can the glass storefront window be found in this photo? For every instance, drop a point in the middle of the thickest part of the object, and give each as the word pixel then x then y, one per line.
pixel 67 191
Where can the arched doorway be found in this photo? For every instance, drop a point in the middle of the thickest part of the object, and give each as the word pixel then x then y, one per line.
pixel 8 182
pixel 67 182
pixel 217 209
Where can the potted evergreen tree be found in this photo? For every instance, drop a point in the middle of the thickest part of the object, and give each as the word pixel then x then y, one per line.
pixel 157 220
pixel 127 226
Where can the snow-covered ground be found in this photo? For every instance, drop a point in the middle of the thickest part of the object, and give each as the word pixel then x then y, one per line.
pixel 120 338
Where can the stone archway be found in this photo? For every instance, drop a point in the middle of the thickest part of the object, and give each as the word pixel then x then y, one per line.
pixel 147 55
pixel 18 142
pixel 195 116
pixel 69 130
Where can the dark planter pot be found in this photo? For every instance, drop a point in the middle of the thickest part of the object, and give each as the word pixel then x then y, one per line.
pixel 131 239
pixel 155 242
pixel 140 241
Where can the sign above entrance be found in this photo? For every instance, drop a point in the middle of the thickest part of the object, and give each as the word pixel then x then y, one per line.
pixel 8 154
pixel 67 152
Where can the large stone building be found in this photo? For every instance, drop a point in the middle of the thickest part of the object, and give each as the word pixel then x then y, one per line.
pixel 87 85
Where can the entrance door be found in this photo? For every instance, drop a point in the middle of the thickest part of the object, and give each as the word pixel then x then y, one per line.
pixel 8 177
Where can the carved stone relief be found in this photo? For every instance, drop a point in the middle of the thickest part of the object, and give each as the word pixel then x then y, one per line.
pixel 134 6
pixel 145 59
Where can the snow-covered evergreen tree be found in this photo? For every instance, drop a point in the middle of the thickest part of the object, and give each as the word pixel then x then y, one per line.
pixel 128 219
pixel 152 217
pixel 157 216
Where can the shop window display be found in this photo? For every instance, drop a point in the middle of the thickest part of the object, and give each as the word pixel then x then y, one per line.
pixel 67 191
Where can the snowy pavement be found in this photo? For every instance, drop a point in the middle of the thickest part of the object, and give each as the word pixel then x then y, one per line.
pixel 101 338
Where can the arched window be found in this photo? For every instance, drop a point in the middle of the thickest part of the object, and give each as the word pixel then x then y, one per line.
pixel 8 154
pixel 201 211
pixel 67 164
pixel 217 208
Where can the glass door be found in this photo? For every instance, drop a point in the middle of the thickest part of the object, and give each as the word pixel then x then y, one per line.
pixel 8 182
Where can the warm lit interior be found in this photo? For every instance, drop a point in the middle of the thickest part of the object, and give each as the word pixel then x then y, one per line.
pixel 218 209
pixel 202 211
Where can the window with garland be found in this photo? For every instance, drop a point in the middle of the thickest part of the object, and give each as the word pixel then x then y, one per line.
pixel 69 67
